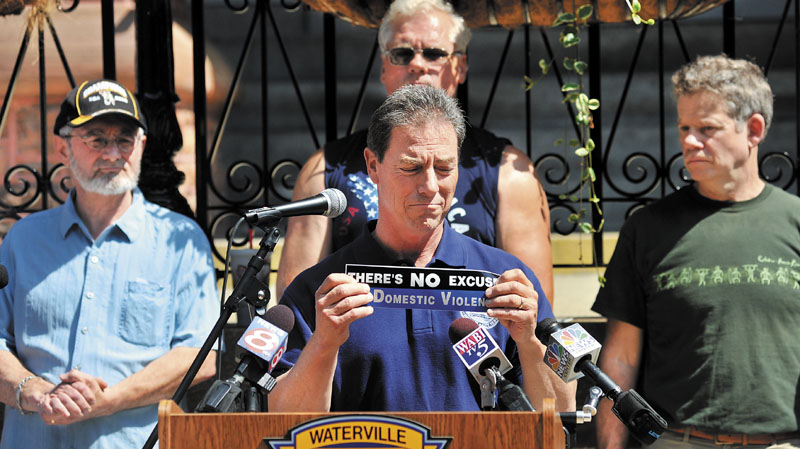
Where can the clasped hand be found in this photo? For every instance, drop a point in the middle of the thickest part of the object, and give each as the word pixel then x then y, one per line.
pixel 78 397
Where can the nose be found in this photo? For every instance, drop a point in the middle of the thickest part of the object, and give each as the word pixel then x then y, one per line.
pixel 429 184
pixel 691 141
pixel 418 63
pixel 112 150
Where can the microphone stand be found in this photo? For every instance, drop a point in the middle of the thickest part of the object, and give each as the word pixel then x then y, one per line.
pixel 249 289
pixel 488 386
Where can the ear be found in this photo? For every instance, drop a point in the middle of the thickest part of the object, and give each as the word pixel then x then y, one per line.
pixel 372 164
pixel 61 150
pixel 756 128
pixel 461 69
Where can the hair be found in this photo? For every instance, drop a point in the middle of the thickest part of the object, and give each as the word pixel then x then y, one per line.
pixel 740 83
pixel 413 105
pixel 460 34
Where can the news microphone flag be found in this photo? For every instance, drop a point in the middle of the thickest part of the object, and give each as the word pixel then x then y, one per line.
pixel 477 348
pixel 569 346
pixel 264 340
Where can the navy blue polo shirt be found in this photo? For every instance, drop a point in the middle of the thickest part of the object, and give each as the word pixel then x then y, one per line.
pixel 398 359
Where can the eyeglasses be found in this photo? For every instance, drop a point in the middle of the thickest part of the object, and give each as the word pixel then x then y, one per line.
pixel 404 55
pixel 125 143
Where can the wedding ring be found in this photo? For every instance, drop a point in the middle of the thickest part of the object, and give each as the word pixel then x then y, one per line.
pixel 521 303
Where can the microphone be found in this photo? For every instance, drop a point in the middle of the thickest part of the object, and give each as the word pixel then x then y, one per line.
pixel 487 363
pixel 3 276
pixel 567 348
pixel 329 203
pixel 642 421
pixel 265 340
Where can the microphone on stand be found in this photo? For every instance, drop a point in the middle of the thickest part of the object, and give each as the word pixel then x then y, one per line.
pixel 571 352
pixel 328 203
pixel 265 340
pixel 487 363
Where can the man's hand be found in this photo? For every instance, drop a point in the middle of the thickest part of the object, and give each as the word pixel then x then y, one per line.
pixel 79 396
pixel 339 302
pixel 308 386
pixel 514 302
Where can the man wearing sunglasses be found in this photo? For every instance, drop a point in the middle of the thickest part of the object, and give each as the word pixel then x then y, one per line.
pixel 498 200
pixel 109 295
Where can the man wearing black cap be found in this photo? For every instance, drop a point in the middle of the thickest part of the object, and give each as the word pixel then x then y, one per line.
pixel 109 296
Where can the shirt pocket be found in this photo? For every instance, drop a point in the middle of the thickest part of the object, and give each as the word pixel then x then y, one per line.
pixel 145 314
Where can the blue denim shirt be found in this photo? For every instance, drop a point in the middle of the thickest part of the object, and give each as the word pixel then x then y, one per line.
pixel 106 307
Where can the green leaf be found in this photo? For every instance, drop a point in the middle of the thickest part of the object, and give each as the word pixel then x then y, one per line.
pixel 529 83
pixel 570 40
pixel 590 145
pixel 636 19
pixel 593 104
pixel 580 67
pixel 636 6
pixel 570 97
pixel 562 196
pixel 650 22
pixel 585 227
pixel 568 87
pixel 580 104
pixel 594 199
pixel 574 142
pixel 601 279
pixel 573 198
pixel 581 152
pixel 544 66
pixel 563 18
pixel 585 11
pixel 558 142
pixel 573 218
pixel 569 63
pixel 589 174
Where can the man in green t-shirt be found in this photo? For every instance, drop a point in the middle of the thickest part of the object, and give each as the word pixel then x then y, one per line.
pixel 703 291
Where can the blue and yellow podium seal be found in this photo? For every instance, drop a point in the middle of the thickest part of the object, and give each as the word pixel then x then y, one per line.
pixel 359 432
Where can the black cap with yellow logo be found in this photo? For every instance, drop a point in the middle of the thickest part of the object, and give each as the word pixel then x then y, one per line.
pixel 95 98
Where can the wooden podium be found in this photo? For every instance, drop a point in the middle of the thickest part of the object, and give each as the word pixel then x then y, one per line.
pixel 466 430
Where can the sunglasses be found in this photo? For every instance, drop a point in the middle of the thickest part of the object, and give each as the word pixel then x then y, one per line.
pixel 404 55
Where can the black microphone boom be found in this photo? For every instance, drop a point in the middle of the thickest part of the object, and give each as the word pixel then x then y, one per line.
pixel 329 203
pixel 643 422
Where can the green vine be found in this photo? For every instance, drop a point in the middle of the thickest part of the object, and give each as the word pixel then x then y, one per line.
pixel 635 7
pixel 574 93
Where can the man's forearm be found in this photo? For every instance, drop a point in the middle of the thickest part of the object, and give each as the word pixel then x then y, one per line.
pixel 11 373
pixel 308 386
pixel 540 382
pixel 158 380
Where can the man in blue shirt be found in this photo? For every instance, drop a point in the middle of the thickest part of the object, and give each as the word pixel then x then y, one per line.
pixel 109 296
pixel 346 355
pixel 498 200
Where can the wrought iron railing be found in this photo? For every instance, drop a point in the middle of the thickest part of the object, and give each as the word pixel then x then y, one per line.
pixel 238 169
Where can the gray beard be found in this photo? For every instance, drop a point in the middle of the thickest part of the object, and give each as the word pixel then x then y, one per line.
pixel 110 184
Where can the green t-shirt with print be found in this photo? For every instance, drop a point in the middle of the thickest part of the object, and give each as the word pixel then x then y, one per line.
pixel 716 288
